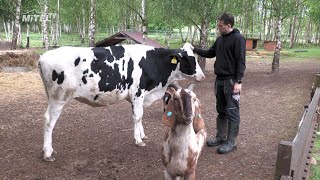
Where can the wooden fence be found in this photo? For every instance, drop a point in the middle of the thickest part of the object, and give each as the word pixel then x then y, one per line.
pixel 293 157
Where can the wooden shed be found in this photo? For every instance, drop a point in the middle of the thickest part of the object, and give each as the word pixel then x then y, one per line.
pixel 270 45
pixel 251 44
pixel 135 36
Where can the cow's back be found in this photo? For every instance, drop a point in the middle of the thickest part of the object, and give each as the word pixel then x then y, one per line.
pixel 67 74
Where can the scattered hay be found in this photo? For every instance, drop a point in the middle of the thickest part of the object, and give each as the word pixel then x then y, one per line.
pixel 18 58
pixel 15 85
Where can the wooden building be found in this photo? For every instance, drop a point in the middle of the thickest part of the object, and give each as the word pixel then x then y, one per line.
pixel 135 36
pixel 251 44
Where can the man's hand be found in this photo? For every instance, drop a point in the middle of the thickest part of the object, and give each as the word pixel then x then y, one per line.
pixel 237 88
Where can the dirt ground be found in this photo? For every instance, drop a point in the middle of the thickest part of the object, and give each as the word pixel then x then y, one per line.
pixel 97 143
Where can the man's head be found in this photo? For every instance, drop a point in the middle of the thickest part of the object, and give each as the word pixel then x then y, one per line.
pixel 225 23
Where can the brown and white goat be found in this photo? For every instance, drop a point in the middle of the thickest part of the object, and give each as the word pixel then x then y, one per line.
pixel 185 137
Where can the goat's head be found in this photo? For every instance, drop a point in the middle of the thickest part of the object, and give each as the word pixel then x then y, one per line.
pixel 183 107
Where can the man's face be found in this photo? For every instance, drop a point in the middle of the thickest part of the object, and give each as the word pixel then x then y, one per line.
pixel 224 29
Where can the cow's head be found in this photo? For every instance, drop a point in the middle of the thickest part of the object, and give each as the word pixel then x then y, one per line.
pixel 189 66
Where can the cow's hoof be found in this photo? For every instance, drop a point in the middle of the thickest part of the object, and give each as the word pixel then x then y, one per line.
pixel 48 159
pixel 141 144
pixel 145 138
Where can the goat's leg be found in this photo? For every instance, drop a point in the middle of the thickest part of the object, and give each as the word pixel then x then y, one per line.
pixel 191 175
pixel 167 176
pixel 50 118
pixel 137 108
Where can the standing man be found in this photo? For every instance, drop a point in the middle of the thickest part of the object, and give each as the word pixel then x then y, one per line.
pixel 230 52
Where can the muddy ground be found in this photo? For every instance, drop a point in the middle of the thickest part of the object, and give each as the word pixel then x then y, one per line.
pixel 97 143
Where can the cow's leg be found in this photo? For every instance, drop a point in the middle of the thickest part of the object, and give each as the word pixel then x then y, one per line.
pixel 50 118
pixel 140 126
pixel 137 108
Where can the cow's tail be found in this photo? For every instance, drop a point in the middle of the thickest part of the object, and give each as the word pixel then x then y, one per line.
pixel 42 77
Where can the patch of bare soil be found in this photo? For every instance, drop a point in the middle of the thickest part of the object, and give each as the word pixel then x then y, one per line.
pixel 97 143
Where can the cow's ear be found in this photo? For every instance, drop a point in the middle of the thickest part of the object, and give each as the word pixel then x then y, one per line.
pixel 175 58
pixel 198 122
pixel 169 116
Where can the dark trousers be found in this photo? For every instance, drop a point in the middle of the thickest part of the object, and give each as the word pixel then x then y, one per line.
pixel 228 103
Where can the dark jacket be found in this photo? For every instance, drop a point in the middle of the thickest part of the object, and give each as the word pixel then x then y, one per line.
pixel 230 53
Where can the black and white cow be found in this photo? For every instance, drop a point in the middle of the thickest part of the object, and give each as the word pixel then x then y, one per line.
pixel 100 76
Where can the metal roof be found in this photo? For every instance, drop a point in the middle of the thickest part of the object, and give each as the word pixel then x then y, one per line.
pixel 123 35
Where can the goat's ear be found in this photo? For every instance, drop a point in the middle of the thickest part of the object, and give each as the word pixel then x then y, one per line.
pixel 167 96
pixel 169 116
pixel 198 122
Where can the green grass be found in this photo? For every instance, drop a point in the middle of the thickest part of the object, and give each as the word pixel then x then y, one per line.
pixel 303 53
pixel 72 39
pixel 315 169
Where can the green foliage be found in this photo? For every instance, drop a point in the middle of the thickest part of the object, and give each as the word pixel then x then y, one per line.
pixel 314 10
pixel 7 9
pixel 315 169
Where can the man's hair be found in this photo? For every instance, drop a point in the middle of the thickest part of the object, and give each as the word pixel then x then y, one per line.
pixel 227 19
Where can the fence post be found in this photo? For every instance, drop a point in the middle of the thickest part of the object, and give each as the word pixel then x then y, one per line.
pixel 283 164
pixel 317 82
pixel 317 85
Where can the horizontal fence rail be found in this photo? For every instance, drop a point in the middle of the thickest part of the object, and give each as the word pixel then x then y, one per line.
pixel 293 157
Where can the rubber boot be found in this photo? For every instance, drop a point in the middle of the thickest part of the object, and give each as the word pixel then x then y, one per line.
pixel 221 135
pixel 230 144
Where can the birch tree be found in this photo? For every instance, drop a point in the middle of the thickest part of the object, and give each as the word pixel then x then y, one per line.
pixel 92 24
pixel 44 20
pixel 55 33
pixel 143 17
pixel 16 29
pixel 314 13
pixel 202 13
pixel 293 27
pixel 144 21
pixel 282 9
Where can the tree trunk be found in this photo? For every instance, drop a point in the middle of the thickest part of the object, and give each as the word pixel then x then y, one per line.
pixel 16 25
pixel 144 20
pixel 269 27
pixel 5 29
pixel 276 57
pixel 294 28
pixel 317 39
pixel 296 33
pixel 292 31
pixel 132 20
pixel 19 38
pixel 203 41
pixel 194 35
pixel 183 40
pixel 45 25
pixel 83 34
pixel 308 31
pixel 28 42
pixel 56 27
pixel 168 34
pixel 92 25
